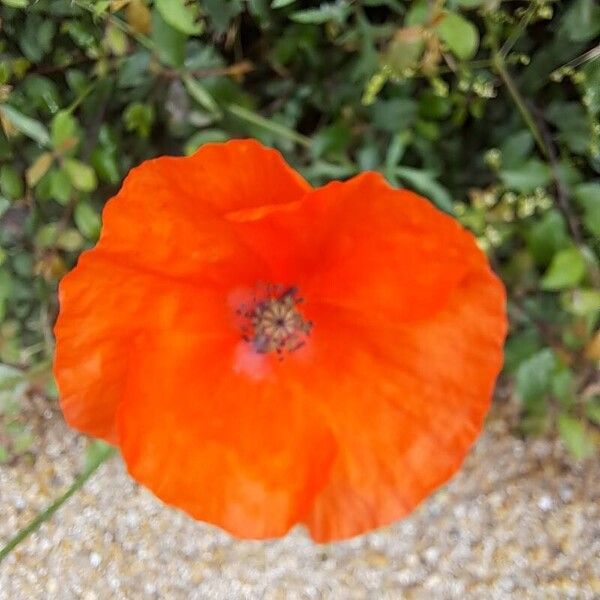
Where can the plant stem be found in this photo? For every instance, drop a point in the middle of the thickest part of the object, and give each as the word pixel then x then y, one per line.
pixel 499 64
pixel 99 458
pixel 545 145
pixel 269 125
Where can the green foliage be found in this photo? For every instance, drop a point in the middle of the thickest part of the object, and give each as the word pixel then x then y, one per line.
pixel 488 108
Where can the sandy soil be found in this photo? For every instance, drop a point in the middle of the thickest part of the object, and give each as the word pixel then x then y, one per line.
pixel 521 520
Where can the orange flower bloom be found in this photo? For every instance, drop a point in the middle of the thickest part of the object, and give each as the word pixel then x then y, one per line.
pixel 266 354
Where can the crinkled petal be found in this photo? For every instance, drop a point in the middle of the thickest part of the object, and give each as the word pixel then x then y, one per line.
pixel 405 403
pixel 104 306
pixel 169 214
pixel 364 246
pixel 243 453
pixel 165 243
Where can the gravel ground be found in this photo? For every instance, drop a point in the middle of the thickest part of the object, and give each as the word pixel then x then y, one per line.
pixel 521 520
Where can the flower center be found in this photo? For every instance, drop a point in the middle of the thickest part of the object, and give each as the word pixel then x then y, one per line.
pixel 274 323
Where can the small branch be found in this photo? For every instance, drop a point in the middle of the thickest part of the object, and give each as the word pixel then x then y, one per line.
pixel 42 517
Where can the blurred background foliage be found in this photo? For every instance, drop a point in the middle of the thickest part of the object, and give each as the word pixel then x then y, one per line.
pixel 488 107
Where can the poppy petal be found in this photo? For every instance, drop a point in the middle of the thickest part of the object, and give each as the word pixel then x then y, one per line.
pixel 246 455
pixel 405 402
pixel 162 232
pixel 168 215
pixel 104 305
pixel 362 245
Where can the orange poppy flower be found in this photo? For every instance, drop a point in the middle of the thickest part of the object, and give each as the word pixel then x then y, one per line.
pixel 266 354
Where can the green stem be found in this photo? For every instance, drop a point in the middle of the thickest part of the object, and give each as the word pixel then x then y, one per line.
pixel 272 126
pixel 100 457
pixel 500 65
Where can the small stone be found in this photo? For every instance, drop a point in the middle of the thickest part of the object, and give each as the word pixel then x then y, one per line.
pixel 95 559
pixel 545 503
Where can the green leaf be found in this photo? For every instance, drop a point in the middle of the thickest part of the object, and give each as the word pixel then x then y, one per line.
pixel 588 197
pixel 592 410
pixel 116 40
pixel 168 41
pixel 581 22
pixel 526 178
pixel 519 347
pixel 180 15
pixel 70 240
pixel 201 95
pixel 567 269
pixel 563 386
pixel 60 186
pixel 11 182
pixel 105 164
pixel 393 115
pixel 426 183
pixel 591 72
pixel 139 117
pixel 330 140
pixel 547 236
pixel 16 3
pixel 39 168
pixel 460 35
pixel 581 302
pixel 63 129
pixel 432 106
pixel 82 176
pixel 221 12
pixel 573 123
pixel 46 235
pixel 332 11
pixel 533 378
pixel 404 51
pixel 87 220
pixel 418 13
pixel 395 152
pixel 26 125
pixel 576 437
pixel 516 148
pixel 281 3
